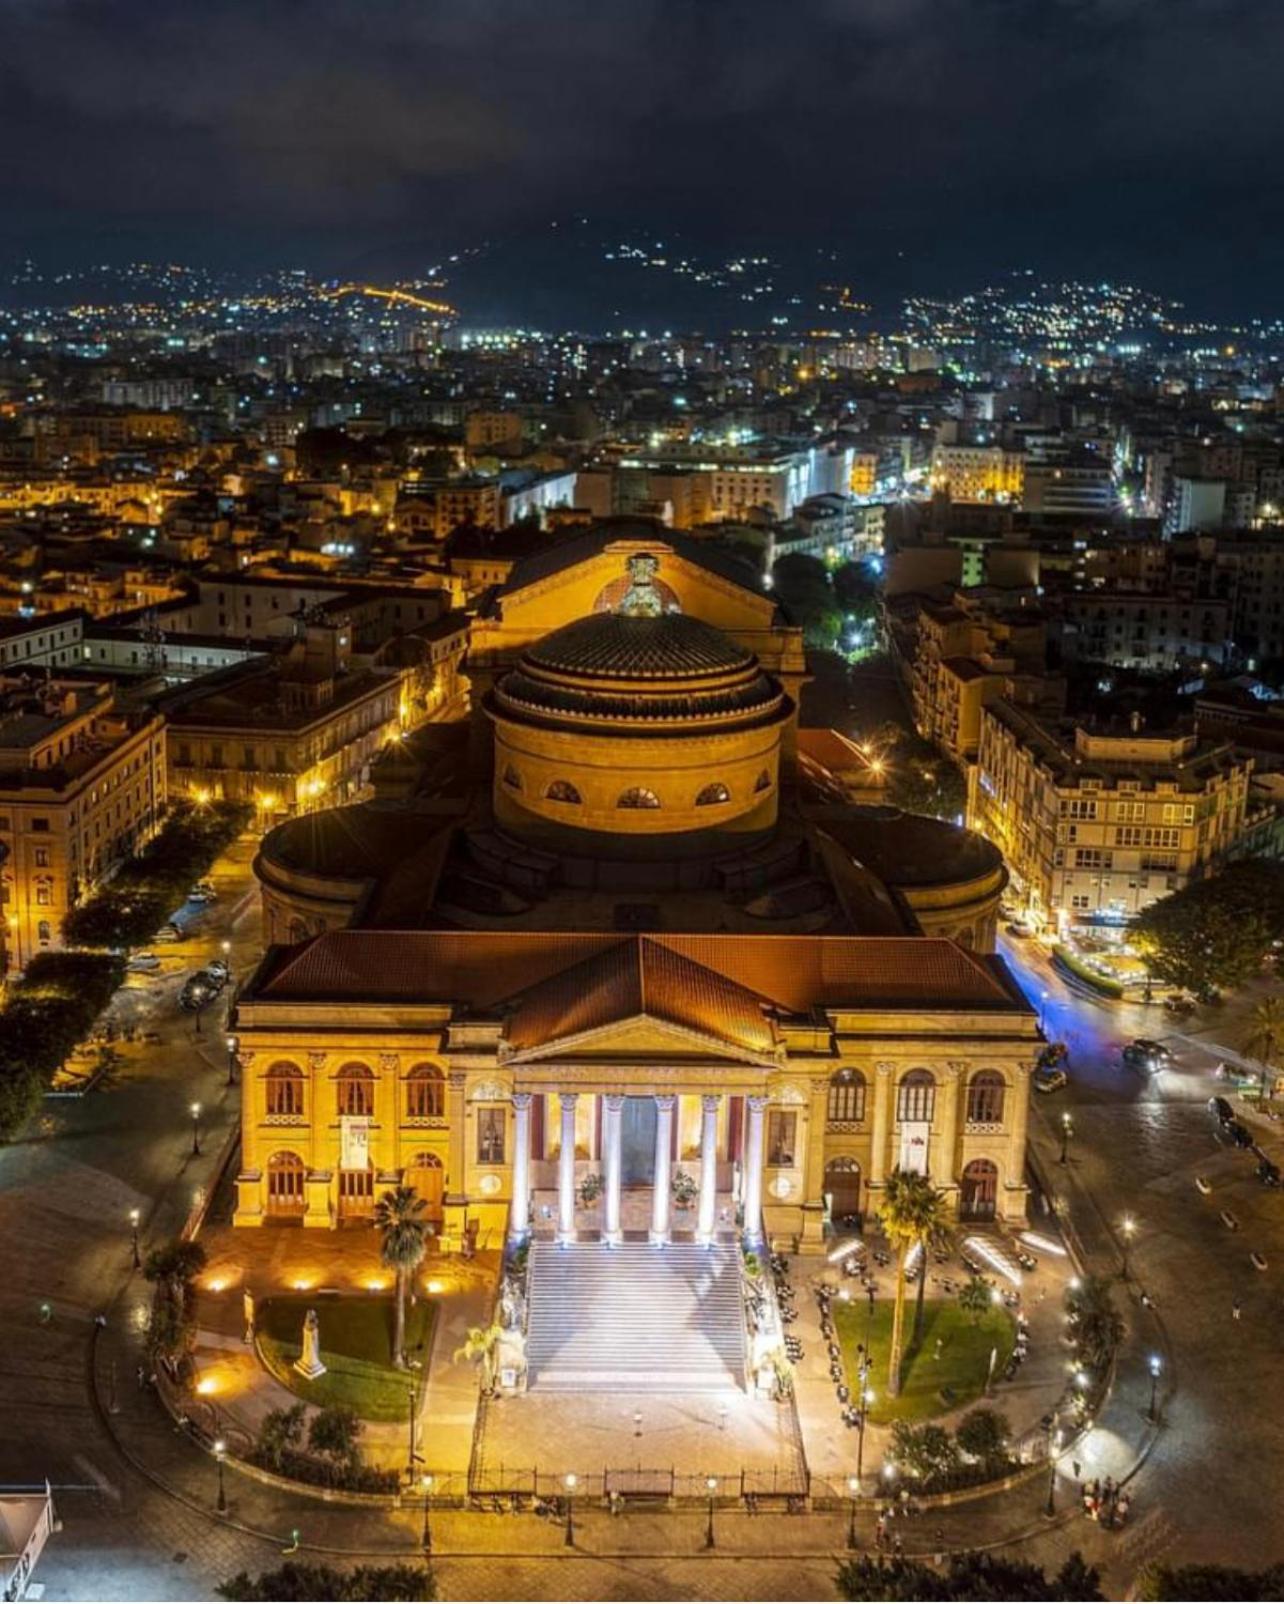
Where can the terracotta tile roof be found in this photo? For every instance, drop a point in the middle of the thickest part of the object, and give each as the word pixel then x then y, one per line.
pixel 691 980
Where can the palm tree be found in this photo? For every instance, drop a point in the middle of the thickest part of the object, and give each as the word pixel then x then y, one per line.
pixel 931 1214
pixel 479 1346
pixel 402 1248
pixel 898 1214
pixel 975 1298
pixel 1266 1032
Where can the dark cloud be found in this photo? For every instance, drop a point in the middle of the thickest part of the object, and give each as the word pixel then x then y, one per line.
pixel 1139 133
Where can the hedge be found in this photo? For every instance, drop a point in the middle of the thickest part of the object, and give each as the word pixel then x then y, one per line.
pixel 1082 971
pixel 45 1014
pixel 137 902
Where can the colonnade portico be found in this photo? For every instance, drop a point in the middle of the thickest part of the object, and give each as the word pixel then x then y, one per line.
pixel 562 1114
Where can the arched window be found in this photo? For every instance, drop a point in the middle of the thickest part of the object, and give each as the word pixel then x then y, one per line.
pixel 425 1092
pixel 512 778
pixel 763 782
pixel 285 1173
pixel 563 791
pixel 43 931
pixel 847 1096
pixel 985 1098
pixel 712 795
pixel 978 1190
pixel 917 1097
pixel 285 1089
pixel 355 1087
pixel 637 796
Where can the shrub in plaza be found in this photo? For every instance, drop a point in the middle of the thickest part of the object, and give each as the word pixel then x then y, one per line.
pixel 940 1462
pixel 334 1459
pixel 45 1014
pixel 1217 931
pixel 966 1576
pixel 324 1582
pixel 924 1451
pixel 146 890
pixel 172 1270
pixel 984 1435
pixel 976 1298
pixel 1096 1326
pixel 1209 1582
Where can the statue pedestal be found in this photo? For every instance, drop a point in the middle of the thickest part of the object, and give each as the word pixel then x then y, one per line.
pixel 308 1364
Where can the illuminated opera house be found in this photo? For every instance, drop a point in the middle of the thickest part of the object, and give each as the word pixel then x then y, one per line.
pixel 596 967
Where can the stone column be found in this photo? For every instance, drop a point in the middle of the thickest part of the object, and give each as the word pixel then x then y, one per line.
pixel 660 1194
pixel 753 1171
pixel 456 1106
pixel 1014 1193
pixel 813 1225
pixel 706 1218
pixel 612 1235
pixel 519 1214
pixel 882 1123
pixel 943 1162
pixel 566 1172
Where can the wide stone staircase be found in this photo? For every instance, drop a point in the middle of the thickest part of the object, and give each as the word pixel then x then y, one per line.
pixel 634 1318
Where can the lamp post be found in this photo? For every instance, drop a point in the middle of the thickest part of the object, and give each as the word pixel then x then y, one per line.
pixel 135 1217
pixel 711 1482
pixel 1156 1369
pixel 196 1130
pixel 571 1479
pixel 1127 1229
pixel 220 1453
pixel 866 1398
pixel 853 1492
pixel 1054 1448
pixel 1067 1131
pixel 231 1060
pixel 413 1396
pixel 425 1481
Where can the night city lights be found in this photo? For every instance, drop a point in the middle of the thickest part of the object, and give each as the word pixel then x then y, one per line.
pixel 641 800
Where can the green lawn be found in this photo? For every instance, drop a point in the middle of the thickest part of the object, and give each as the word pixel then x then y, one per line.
pixel 962 1367
pixel 356 1345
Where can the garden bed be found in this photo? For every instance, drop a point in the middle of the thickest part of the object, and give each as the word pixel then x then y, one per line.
pixel 1073 964
pixel 960 1372
pixel 356 1348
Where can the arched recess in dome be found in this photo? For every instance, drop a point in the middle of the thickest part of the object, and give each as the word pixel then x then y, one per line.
pixel 712 795
pixel 563 791
pixel 763 782
pixel 638 796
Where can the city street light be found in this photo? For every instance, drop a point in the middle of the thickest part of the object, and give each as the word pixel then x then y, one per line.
pixel 135 1216
pixel 711 1482
pixel 196 1130
pixel 571 1479
pixel 866 1398
pixel 1067 1131
pixel 220 1453
pixel 1054 1448
pixel 1127 1228
pixel 413 1395
pixel 425 1481
pixel 1156 1369
pixel 853 1489
pixel 231 1060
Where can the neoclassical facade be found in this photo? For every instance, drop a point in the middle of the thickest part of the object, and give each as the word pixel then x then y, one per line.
pixel 621 975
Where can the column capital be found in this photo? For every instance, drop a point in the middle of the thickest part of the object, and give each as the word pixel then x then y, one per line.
pixel 459 1078
pixel 709 1102
pixel 568 1099
pixel 884 1068
pixel 665 1102
pixel 521 1101
pixel 614 1102
pixel 758 1102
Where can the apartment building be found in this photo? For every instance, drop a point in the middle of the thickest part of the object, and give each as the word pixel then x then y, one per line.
pixel 1097 824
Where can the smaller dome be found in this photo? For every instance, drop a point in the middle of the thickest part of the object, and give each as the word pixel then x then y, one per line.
pixel 618 646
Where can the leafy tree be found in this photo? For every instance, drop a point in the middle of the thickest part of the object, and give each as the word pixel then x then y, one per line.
pixel 480 1347
pixel 802 585
pixel 1266 1032
pixel 925 1451
pixel 335 1432
pixel 1217 931
pixel 172 1269
pixel 398 1218
pixel 975 1298
pixel 280 1434
pixel 292 1581
pixel 897 1214
pixel 984 1434
pixel 1096 1324
pixel 966 1577
pixel 1212 1582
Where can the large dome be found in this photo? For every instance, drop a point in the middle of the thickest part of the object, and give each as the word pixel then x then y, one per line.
pixel 627 671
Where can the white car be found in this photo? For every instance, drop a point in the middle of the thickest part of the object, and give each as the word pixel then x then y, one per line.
pixel 143 963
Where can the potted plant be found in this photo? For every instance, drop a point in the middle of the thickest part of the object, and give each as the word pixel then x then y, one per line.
pixel 590 1189
pixel 684 1189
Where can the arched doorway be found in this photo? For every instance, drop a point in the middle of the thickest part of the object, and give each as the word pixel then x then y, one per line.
pixel 285 1194
pixel 979 1190
pixel 426 1175
pixel 842 1187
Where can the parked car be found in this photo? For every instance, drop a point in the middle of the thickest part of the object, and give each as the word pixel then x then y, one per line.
pixel 143 963
pixel 1239 1134
pixel 203 892
pixel 1020 927
pixel 200 989
pixel 170 933
pixel 1268 1173
pixel 1147 1055
pixel 1050 1080
pixel 218 968
pixel 1221 1110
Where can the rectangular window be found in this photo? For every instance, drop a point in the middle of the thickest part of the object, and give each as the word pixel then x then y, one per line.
pixel 782 1131
pixel 42 857
pixel 41 825
pixel 490 1135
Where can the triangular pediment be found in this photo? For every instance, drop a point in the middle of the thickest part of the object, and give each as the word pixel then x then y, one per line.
pixel 639 1036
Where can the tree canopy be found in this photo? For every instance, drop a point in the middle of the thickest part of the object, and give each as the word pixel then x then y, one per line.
pixel 1217 931
pixel 802 585
pixel 1209 1582
pixel 966 1576
pixel 294 1581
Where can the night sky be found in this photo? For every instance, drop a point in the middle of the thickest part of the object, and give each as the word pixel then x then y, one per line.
pixel 934 143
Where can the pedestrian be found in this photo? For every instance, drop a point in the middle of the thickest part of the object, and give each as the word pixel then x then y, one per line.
pixel 142 1378
pixel 1235 1310
pixel 898 1546
pixel 939 1345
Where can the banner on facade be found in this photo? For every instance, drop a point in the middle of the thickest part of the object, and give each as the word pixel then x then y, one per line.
pixel 354 1142
pixel 914 1138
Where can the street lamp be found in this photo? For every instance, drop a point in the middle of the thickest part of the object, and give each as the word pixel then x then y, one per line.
pixel 1054 1448
pixel 196 1130
pixel 135 1216
pixel 571 1479
pixel 853 1490
pixel 231 1060
pixel 412 1394
pixel 1156 1370
pixel 711 1482
pixel 866 1398
pixel 1067 1131
pixel 220 1453
pixel 425 1481
pixel 1127 1228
